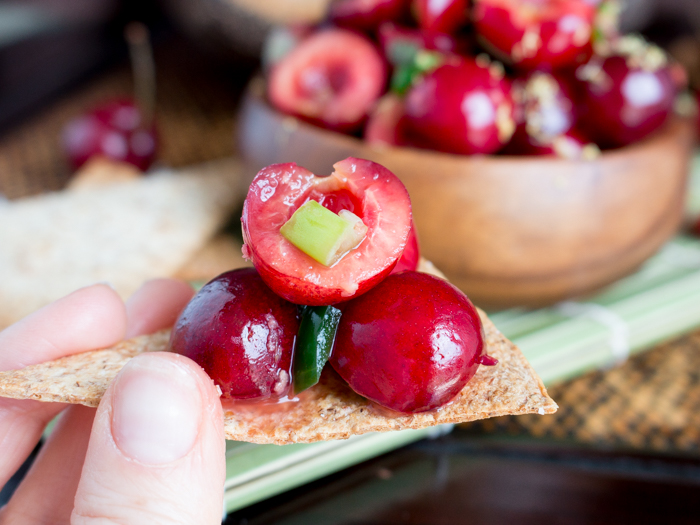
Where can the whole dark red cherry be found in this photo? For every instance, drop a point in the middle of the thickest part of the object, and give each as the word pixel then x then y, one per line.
pixel 446 16
pixel 410 344
pixel 114 130
pixel 626 96
pixel 464 106
pixel 546 108
pixel 535 33
pixel 241 334
pixel 367 15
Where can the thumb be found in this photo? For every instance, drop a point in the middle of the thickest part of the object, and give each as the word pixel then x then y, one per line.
pixel 156 452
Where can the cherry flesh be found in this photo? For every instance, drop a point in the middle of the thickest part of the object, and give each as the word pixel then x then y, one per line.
pixel 410 344
pixel 446 16
pixel 114 130
pixel 463 106
pixel 625 100
pixel 241 334
pixel 367 15
pixel 535 33
pixel 332 79
pixel 362 187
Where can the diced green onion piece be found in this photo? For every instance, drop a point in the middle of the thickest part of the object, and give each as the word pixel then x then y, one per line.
pixel 322 234
pixel 314 345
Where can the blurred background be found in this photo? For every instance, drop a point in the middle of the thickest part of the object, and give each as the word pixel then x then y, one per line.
pixel 625 445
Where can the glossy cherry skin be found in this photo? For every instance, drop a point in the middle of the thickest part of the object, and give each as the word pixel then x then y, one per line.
pixel 332 79
pixel 410 344
pixel 572 145
pixel 365 188
pixel 446 16
pixel 382 127
pixel 367 15
pixel 241 334
pixel 546 108
pixel 535 33
pixel 623 103
pixel 461 107
pixel 113 130
pixel 411 253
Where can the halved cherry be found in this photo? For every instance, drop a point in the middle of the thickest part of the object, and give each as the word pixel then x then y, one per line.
pixel 368 190
pixel 464 106
pixel 532 33
pixel 410 344
pixel 367 15
pixel 446 16
pixel 332 79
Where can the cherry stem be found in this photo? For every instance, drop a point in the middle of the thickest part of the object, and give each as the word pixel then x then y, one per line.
pixel 143 68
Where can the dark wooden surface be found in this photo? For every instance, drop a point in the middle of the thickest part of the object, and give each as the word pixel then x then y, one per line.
pixel 477 480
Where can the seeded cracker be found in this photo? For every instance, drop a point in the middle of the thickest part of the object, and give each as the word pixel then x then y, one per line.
pixel 329 410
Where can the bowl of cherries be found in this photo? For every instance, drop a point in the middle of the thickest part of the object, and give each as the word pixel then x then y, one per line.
pixel 539 145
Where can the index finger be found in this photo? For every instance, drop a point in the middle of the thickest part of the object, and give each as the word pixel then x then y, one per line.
pixel 90 318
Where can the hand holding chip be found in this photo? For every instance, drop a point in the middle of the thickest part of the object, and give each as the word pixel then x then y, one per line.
pixel 152 452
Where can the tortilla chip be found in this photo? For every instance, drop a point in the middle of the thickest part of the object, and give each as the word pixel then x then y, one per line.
pixel 123 232
pixel 329 410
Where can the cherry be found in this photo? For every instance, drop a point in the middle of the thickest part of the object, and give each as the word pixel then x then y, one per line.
pixel 332 79
pixel 545 110
pixel 410 344
pixel 114 130
pixel 365 188
pixel 532 33
pixel 627 95
pixel 446 16
pixel 411 253
pixel 399 44
pixel 366 15
pixel 572 145
pixel 464 106
pixel 241 334
pixel 382 126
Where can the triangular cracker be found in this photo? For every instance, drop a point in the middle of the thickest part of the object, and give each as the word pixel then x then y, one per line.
pixel 329 410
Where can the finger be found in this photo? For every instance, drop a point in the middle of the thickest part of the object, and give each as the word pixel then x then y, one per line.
pixel 156 305
pixel 39 499
pixel 156 453
pixel 90 318
pixel 47 492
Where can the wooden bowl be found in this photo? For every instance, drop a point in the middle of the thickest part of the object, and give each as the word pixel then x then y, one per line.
pixel 509 230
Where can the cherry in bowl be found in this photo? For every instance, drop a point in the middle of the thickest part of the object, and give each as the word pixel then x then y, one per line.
pixel 331 78
pixel 536 33
pixel 464 106
pixel 628 95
